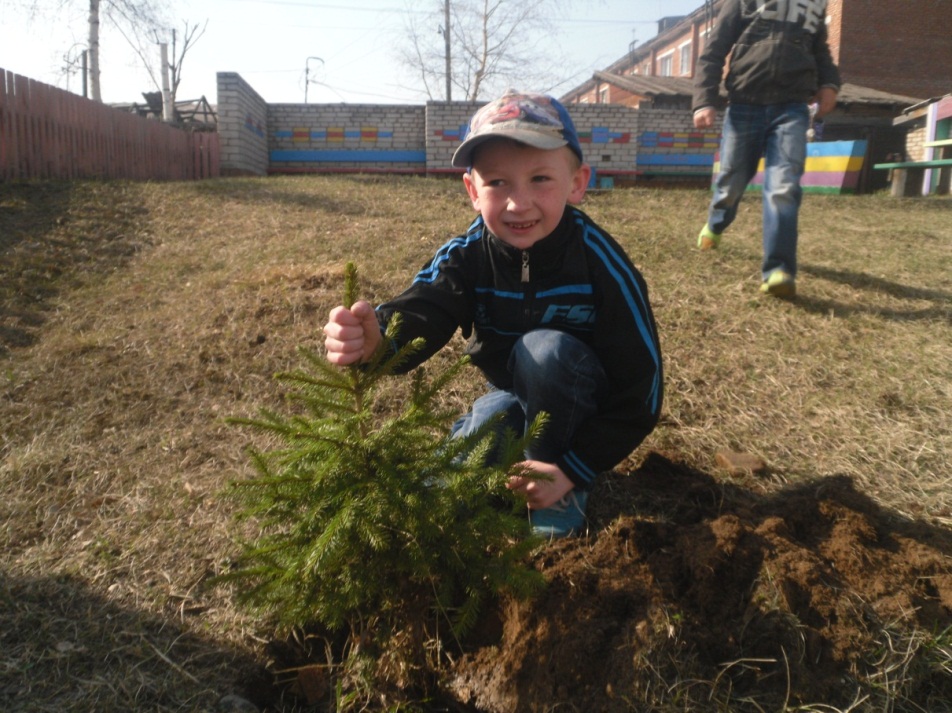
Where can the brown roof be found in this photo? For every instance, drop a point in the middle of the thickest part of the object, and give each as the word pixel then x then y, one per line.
pixel 684 87
pixel 648 86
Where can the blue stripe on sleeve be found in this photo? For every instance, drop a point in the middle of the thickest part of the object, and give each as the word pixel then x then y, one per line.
pixel 566 290
pixel 631 292
pixel 432 271
pixel 586 473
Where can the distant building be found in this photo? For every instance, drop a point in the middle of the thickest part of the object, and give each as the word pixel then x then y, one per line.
pixel 891 55
pixel 902 48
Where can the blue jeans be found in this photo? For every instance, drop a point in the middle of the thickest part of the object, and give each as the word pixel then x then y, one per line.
pixel 552 372
pixel 778 134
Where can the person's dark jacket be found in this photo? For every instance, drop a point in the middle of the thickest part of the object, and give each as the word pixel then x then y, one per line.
pixel 778 51
pixel 577 280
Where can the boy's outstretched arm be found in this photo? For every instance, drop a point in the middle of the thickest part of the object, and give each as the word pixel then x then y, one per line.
pixel 352 335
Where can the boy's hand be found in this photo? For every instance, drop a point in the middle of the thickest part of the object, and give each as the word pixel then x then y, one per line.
pixel 825 101
pixel 704 118
pixel 352 335
pixel 542 492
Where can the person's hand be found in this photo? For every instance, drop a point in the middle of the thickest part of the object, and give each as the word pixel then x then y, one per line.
pixel 541 492
pixel 352 335
pixel 825 101
pixel 704 118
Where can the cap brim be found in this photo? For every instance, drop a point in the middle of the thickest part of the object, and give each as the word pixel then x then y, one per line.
pixel 463 156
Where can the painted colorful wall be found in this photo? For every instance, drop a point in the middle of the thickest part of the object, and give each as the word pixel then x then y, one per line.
pixel 620 142
pixel 260 138
pixel 831 167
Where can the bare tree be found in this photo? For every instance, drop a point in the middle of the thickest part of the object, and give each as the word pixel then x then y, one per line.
pixel 145 49
pixel 481 46
pixel 190 35
pixel 130 16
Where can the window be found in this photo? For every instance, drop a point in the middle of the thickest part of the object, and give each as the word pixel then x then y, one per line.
pixel 603 95
pixel 665 63
pixel 684 62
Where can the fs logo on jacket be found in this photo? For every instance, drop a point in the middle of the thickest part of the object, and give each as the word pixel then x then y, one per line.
pixel 573 315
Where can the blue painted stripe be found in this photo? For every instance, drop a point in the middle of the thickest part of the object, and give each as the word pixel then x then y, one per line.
pixel 693 159
pixel 837 148
pixel 343 156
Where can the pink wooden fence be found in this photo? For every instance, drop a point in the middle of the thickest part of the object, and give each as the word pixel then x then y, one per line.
pixel 46 132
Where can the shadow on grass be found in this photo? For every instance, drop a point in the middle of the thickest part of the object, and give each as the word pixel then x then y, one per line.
pixel 51 242
pixel 942 301
pixel 348 195
pixel 65 648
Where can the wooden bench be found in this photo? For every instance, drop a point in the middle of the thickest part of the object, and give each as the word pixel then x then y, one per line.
pixel 906 177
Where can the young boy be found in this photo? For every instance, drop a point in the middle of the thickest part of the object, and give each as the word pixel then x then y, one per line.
pixel 556 315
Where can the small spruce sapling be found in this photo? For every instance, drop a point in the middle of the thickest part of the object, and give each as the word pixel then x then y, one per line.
pixel 379 525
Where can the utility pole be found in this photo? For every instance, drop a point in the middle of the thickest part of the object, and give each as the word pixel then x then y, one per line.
pixel 448 46
pixel 167 113
pixel 307 72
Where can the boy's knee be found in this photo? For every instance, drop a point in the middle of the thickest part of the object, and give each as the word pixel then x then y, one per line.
pixel 549 351
pixel 542 346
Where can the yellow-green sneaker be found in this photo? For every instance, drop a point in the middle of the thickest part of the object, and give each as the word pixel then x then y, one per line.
pixel 707 239
pixel 780 284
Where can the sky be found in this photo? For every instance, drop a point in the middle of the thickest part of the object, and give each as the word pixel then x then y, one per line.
pixel 343 48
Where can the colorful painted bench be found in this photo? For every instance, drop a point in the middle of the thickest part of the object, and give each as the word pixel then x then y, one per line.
pixel 907 177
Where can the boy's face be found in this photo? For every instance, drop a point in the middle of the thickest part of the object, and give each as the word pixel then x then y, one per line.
pixel 522 191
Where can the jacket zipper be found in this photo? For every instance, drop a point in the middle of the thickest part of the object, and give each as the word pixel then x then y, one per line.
pixel 525 266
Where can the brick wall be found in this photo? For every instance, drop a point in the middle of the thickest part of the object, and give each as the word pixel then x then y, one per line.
pixel 446 124
pixel 901 47
pixel 242 127
pixel 609 136
pixel 346 137
pixel 669 144
pixel 607 133
pixel 260 138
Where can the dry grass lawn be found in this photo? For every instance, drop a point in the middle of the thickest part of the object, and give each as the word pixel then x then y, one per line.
pixel 135 318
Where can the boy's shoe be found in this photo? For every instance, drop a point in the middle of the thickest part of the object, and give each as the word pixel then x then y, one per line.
pixel 707 239
pixel 780 284
pixel 566 517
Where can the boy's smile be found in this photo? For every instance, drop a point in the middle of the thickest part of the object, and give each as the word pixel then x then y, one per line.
pixel 521 191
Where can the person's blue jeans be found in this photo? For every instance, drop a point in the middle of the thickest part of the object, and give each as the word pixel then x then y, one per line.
pixel 778 134
pixel 552 372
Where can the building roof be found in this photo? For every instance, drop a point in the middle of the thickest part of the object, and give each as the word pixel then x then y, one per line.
pixel 648 86
pixel 674 87
pixel 855 94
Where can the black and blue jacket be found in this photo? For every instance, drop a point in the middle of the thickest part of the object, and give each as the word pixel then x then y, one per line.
pixel 778 52
pixel 578 280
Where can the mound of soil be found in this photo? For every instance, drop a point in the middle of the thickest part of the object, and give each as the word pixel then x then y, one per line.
pixel 690 588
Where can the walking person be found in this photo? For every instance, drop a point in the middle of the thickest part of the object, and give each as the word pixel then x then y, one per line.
pixel 779 63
